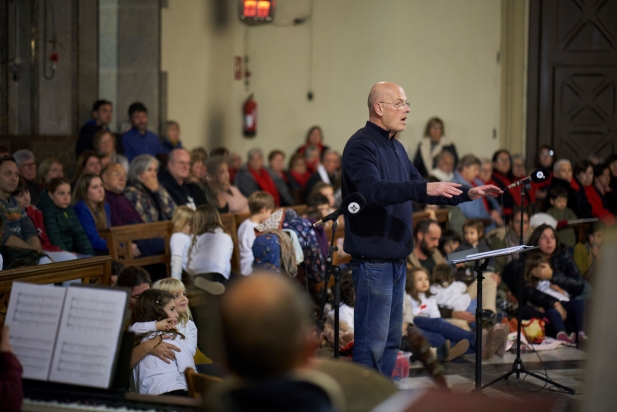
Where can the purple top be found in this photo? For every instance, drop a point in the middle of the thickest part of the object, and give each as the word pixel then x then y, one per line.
pixel 121 210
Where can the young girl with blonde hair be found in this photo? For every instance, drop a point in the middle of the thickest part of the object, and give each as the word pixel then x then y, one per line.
pixel 180 241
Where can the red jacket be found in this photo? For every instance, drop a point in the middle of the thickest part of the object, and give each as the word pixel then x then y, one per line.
pixel 11 389
pixel 37 219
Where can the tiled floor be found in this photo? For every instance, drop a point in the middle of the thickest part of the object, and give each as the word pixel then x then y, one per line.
pixel 564 366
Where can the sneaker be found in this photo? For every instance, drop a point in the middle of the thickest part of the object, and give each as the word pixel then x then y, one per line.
pixel 582 337
pixel 214 288
pixel 458 350
pixel 443 351
pixel 564 337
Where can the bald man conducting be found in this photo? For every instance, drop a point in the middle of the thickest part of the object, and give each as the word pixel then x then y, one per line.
pixel 267 335
pixel 380 237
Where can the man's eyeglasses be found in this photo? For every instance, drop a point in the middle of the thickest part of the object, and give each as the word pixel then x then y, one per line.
pixel 398 105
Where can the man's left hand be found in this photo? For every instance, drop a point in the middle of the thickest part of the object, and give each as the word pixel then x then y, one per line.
pixel 486 190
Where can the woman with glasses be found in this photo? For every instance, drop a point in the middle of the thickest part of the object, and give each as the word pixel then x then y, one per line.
pixel 433 143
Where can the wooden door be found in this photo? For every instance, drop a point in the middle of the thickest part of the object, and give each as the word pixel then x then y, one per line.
pixel 572 88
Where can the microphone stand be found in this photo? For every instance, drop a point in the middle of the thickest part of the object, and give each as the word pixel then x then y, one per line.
pixel 517 366
pixel 332 270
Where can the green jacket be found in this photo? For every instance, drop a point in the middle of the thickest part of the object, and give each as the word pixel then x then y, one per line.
pixel 64 228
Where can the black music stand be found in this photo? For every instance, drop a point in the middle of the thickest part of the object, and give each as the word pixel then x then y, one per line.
pixel 479 268
pixel 332 270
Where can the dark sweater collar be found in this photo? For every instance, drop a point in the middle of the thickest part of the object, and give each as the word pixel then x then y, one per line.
pixel 377 129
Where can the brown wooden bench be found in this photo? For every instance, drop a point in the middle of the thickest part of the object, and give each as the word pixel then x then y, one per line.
pixel 120 238
pixel 91 271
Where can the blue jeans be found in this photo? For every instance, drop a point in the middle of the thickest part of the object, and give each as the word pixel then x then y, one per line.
pixel 576 312
pixel 378 312
pixel 437 330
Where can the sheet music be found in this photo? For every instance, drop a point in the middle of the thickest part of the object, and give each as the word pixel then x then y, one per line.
pixel 88 336
pixel 33 316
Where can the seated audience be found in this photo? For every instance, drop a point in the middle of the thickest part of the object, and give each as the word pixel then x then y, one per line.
pixel 298 174
pixel 486 171
pixel 312 158
pixel 152 376
pixel 554 297
pixel 504 237
pixel 327 190
pixel 61 222
pixel 36 216
pixel 583 171
pixel 171 140
pixel 174 179
pixel 254 176
pixel 212 247
pixel 4 151
pixel 602 184
pixel 426 255
pixel 88 162
pixel 449 242
pixel 181 238
pixel 198 174
pixel 503 177
pixel 102 114
pixel 11 388
pixel 484 208
pixel 473 233
pixel 444 167
pixel 18 230
pixel 139 140
pixel 433 143
pixel 577 200
pixel 47 170
pixel 229 199
pixel 612 165
pixel 544 160
pixel 518 167
pixel 558 196
pixel 148 197
pixel 276 167
pixel 121 211
pixel 104 144
pixel 327 172
pixel 318 206
pixel 314 139
pixel 234 162
pixel 272 316
pixel 587 252
pixel 135 278
pixel 27 170
pixel 261 206
pixel 92 210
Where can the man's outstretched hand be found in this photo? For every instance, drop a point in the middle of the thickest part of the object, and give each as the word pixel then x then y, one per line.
pixel 445 189
pixel 486 190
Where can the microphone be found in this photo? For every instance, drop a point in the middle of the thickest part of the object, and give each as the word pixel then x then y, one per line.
pixel 538 176
pixel 351 205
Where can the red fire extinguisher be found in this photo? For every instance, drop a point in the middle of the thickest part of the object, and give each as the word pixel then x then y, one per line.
pixel 250 117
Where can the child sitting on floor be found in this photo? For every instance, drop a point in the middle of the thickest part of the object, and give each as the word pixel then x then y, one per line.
pixel 153 376
pixel 449 292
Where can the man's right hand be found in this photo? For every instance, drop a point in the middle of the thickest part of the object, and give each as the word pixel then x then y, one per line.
pixel 445 189
pixel 163 350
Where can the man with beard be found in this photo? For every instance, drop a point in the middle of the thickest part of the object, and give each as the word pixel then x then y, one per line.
pixel 427 255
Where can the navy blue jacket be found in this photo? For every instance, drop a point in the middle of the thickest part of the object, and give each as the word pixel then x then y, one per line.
pixel 379 168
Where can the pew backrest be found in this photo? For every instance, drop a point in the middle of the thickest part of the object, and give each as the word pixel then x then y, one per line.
pixel 91 271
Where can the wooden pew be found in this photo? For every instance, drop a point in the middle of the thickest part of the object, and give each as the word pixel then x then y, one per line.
pixel 91 271
pixel 120 238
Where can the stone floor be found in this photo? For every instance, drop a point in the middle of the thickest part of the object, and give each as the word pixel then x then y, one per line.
pixel 564 366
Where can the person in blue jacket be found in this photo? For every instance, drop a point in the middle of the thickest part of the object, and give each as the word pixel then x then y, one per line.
pixel 92 210
pixel 380 237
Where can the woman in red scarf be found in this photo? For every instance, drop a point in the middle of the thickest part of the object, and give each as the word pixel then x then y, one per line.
pixel 503 177
pixel 583 171
pixel 314 138
pixel 298 174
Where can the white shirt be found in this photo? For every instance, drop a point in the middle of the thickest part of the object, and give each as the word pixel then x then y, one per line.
pixel 454 296
pixel 346 314
pixel 212 253
pixel 179 245
pixel 153 376
pixel 246 238
pixel 189 331
pixel 427 307
pixel 545 286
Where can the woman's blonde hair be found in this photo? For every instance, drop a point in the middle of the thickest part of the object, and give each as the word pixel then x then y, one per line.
pixel 44 167
pixel 81 193
pixel 173 285
pixel 183 215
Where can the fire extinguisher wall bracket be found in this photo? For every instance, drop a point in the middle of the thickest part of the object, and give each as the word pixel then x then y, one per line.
pixel 250 117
